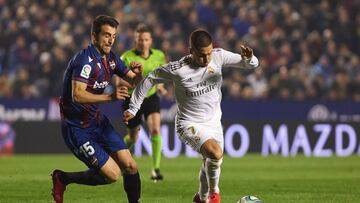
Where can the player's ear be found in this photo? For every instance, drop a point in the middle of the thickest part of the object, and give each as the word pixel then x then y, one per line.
pixel 93 37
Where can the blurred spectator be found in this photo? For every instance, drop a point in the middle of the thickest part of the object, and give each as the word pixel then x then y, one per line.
pixel 7 139
pixel 320 40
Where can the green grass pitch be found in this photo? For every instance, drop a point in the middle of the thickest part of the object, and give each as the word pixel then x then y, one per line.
pixel 274 179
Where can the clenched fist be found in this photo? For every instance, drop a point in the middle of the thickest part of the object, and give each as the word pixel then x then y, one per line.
pixel 136 67
pixel 127 116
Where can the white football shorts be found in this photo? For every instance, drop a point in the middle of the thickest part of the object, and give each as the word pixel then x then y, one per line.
pixel 195 135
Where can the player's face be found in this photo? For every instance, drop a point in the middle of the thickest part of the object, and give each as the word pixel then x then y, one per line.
pixel 143 41
pixel 202 56
pixel 105 39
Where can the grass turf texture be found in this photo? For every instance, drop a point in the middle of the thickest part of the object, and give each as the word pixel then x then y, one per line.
pixel 273 179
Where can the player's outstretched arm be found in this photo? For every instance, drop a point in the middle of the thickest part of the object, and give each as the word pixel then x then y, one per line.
pixel 157 76
pixel 81 95
pixel 135 75
pixel 246 59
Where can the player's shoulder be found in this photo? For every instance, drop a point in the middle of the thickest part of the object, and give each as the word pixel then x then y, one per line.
pixel 178 65
pixel 82 57
pixel 219 53
pixel 128 53
pixel 157 52
pixel 114 56
pixel 217 50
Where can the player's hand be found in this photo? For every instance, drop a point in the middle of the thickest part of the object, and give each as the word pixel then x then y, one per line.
pixel 246 52
pixel 162 90
pixel 136 67
pixel 120 93
pixel 127 116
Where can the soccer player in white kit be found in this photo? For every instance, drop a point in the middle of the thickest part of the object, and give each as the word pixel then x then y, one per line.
pixel 197 80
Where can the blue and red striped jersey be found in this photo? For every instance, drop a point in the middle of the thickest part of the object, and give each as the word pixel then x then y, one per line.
pixel 89 67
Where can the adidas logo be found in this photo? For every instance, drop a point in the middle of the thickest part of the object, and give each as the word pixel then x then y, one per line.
pixel 189 80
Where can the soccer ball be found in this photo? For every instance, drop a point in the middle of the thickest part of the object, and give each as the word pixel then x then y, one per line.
pixel 249 199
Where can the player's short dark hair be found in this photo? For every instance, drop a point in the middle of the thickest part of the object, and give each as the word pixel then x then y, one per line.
pixel 141 28
pixel 101 20
pixel 200 38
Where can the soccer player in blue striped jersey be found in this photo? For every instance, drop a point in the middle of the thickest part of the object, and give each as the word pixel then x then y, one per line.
pixel 87 132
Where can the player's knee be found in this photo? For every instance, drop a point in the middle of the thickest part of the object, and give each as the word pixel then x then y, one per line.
pixel 216 154
pixel 155 131
pixel 130 167
pixel 212 150
pixel 113 176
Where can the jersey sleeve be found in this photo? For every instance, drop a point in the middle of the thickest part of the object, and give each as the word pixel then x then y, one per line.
pixel 162 58
pixel 159 75
pixel 124 57
pixel 236 60
pixel 82 70
pixel 120 69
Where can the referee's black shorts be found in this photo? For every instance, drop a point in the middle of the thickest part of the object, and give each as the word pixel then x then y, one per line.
pixel 150 105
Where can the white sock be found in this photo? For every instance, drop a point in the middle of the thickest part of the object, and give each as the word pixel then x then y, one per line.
pixel 212 169
pixel 203 186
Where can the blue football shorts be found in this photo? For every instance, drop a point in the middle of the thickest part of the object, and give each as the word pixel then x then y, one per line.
pixel 94 144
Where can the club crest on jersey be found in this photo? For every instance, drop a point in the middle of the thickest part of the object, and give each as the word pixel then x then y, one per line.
pixel 85 72
pixel 112 64
pixel 210 70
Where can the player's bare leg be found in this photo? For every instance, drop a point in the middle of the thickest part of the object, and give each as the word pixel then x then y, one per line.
pixel 153 122
pixel 132 183
pixel 132 137
pixel 213 153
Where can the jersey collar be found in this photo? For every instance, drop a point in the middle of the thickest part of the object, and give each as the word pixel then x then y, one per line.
pixel 139 54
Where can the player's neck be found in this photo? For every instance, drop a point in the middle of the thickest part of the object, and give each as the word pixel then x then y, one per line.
pixel 102 54
pixel 145 54
pixel 194 63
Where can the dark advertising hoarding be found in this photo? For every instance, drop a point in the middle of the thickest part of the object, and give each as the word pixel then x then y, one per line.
pixel 265 137
pixel 270 128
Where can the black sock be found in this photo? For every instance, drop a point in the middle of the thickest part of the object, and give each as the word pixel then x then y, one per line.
pixel 132 186
pixel 89 177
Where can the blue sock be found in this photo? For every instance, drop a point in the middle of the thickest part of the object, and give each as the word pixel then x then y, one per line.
pixel 89 177
pixel 132 186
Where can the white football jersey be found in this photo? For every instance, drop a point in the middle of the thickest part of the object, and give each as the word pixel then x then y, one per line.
pixel 197 89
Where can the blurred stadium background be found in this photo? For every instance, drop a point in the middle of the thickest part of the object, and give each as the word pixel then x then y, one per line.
pixel 303 101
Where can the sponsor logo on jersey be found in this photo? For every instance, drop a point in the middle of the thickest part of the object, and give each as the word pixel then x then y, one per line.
pixel 100 85
pixel 112 64
pixel 85 72
pixel 205 90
